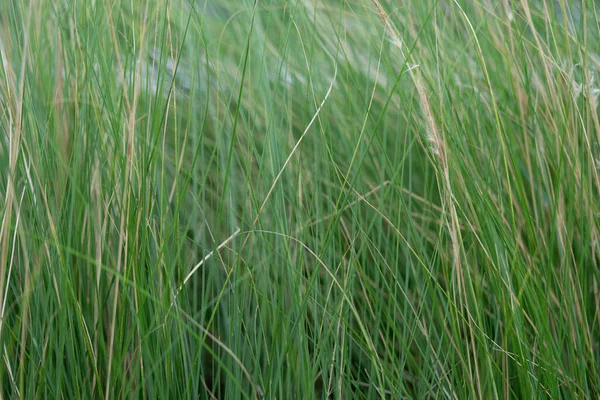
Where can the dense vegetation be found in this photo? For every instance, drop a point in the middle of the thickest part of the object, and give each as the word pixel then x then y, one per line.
pixel 299 199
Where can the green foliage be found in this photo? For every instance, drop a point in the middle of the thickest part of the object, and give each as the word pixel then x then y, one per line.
pixel 299 199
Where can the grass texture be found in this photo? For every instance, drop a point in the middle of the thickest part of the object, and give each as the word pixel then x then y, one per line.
pixel 302 199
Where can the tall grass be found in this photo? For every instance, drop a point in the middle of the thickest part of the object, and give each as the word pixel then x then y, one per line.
pixel 299 199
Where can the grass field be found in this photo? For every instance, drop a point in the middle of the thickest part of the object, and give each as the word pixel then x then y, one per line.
pixel 300 199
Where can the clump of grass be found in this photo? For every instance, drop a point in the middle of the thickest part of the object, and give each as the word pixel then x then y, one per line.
pixel 247 199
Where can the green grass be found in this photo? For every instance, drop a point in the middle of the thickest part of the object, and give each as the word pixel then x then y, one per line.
pixel 299 199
